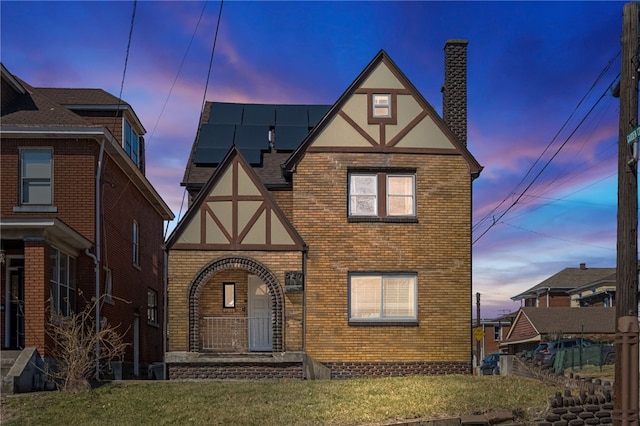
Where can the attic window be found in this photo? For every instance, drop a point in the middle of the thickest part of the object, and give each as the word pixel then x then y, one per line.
pixel 381 105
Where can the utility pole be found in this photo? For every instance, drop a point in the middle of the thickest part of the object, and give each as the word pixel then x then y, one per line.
pixel 626 343
pixel 479 328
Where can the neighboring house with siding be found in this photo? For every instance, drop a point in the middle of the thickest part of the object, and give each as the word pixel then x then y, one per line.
pixel 78 217
pixel 601 292
pixel 534 325
pixel 322 240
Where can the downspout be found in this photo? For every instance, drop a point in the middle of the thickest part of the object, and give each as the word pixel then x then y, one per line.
pixel 165 312
pixel 96 258
pixel 304 299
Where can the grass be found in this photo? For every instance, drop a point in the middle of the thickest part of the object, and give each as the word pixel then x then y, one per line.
pixel 322 402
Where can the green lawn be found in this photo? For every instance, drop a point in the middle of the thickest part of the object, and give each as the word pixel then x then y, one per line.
pixel 284 402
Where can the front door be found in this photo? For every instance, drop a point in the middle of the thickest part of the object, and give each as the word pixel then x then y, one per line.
pixel 14 318
pixel 260 331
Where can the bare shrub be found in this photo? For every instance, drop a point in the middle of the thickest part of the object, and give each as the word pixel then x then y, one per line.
pixel 74 347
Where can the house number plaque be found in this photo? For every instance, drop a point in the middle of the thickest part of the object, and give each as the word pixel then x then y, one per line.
pixel 293 281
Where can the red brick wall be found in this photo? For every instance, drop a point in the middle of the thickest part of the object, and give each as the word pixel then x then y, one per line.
pixel 73 181
pixel 74 167
pixel 122 205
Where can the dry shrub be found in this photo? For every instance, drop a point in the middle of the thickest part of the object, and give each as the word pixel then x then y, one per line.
pixel 74 347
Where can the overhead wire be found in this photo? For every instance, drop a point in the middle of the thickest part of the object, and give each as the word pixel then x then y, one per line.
pixel 124 74
pixel 543 168
pixel 512 193
pixel 531 168
pixel 204 101
pixel 175 80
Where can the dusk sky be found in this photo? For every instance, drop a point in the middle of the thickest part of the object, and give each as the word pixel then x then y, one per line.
pixel 542 120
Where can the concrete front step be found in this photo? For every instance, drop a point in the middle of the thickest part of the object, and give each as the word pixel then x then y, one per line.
pixel 7 359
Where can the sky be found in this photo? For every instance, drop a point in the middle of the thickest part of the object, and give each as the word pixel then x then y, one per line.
pixel 541 117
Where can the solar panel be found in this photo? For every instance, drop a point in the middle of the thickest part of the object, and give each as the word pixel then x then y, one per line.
pixel 216 136
pixel 258 114
pixel 289 137
pixel 209 155
pixel 291 115
pixel 316 113
pixel 253 156
pixel 225 113
pixel 252 137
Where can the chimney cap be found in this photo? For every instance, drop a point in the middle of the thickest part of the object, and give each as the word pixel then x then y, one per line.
pixel 456 41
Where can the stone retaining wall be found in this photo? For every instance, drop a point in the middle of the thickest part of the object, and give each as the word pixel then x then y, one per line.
pixel 585 401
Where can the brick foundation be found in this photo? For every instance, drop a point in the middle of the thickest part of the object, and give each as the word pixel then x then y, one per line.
pixel 349 370
pixel 249 371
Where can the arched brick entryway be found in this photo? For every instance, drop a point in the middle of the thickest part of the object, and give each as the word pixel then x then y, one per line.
pixel 253 267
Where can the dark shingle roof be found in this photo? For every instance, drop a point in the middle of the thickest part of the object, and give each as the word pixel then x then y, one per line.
pixel 594 320
pixel 35 109
pixel 567 279
pixel 67 96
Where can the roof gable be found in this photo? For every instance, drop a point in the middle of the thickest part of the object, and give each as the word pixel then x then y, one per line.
pixel 414 126
pixel 566 280
pixel 234 211
pixel 532 323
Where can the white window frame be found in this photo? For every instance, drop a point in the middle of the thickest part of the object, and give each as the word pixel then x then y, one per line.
pixel 63 283
pixel 41 182
pixel 383 314
pixel 152 306
pixel 379 103
pixel 136 243
pixel 357 197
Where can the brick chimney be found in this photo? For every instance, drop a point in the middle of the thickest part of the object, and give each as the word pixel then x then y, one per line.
pixel 454 90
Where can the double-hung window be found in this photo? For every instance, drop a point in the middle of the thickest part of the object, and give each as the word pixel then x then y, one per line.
pixel 388 297
pixel 382 194
pixel 131 143
pixel 63 283
pixel 152 306
pixel 136 244
pixel 36 176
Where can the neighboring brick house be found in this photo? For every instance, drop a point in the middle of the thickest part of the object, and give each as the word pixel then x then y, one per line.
pixel 78 216
pixel 494 332
pixel 327 240
pixel 555 291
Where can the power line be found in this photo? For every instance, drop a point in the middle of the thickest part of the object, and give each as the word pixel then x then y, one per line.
pixel 204 101
pixel 544 167
pixel 177 75
pixel 600 76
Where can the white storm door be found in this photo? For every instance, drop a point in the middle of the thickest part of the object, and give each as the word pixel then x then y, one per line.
pixel 260 333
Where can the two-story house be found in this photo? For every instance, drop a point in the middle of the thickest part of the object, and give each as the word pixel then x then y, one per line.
pixel 78 218
pixel 327 240
pixel 555 291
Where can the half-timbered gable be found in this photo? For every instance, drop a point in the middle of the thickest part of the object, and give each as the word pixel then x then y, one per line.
pixel 235 211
